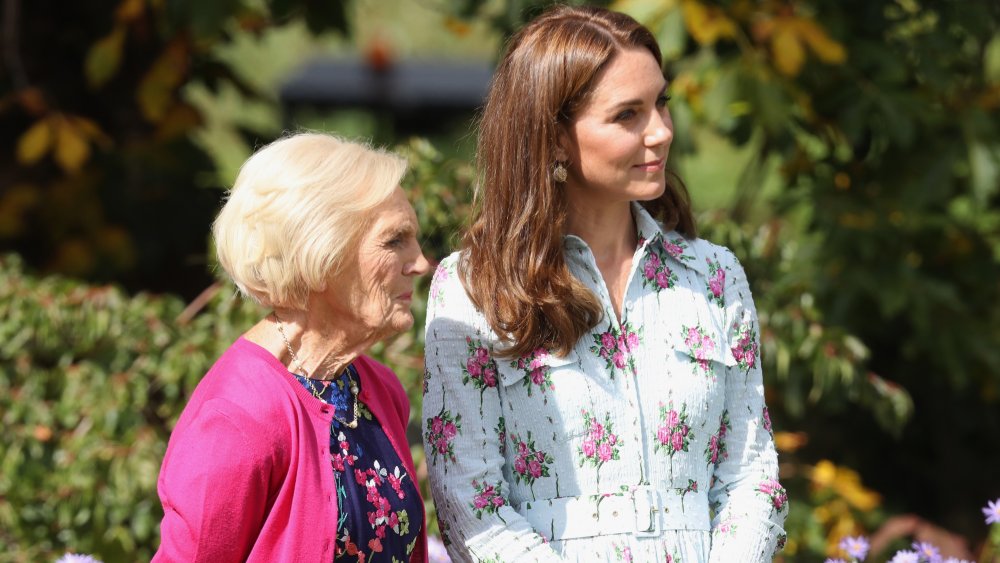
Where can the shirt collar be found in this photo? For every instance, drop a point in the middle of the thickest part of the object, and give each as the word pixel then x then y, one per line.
pixel 674 246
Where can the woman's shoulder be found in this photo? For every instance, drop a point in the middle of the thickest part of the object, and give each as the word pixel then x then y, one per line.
pixel 245 383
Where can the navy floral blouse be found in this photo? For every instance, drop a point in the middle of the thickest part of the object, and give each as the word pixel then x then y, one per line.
pixel 380 511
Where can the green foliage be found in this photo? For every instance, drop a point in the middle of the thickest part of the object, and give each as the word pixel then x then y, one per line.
pixel 92 380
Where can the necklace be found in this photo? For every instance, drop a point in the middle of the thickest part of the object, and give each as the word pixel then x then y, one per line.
pixel 354 386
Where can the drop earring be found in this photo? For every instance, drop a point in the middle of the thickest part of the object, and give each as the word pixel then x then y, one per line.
pixel 559 173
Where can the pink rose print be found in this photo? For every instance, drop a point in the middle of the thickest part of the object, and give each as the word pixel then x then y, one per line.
pixel 441 275
pixel 537 372
pixel 600 445
pixel 487 498
pixel 674 434
pixel 655 272
pixel 767 421
pixel 715 451
pixel 479 367
pixel 773 490
pixel 530 464
pixel 701 347
pixel 623 553
pixel 616 346
pixel 716 283
pixel 441 431
pixel 676 248
pixel 745 348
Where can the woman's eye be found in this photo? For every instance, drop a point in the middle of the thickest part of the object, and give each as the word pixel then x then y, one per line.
pixel 625 115
pixel 662 100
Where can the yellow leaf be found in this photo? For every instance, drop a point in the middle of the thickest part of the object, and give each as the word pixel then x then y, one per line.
pixel 788 51
pixel 155 94
pixel 823 474
pixel 457 26
pixel 180 119
pixel 35 142
pixel 72 149
pixel 129 10
pixel 790 441
pixel 89 129
pixel 104 58
pixel 825 48
pixel 707 24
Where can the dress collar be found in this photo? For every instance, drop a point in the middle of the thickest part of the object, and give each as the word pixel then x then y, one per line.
pixel 680 250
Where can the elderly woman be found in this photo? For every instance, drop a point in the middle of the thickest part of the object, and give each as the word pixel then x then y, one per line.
pixel 593 382
pixel 293 446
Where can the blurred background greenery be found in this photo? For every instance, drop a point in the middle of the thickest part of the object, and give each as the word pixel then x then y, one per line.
pixel 847 150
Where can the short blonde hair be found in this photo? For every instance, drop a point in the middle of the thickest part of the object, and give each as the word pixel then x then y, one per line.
pixel 296 209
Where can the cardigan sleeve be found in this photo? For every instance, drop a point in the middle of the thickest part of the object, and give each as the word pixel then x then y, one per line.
pixel 463 432
pixel 214 486
pixel 750 505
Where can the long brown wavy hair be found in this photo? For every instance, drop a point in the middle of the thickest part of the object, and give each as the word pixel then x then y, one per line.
pixel 513 266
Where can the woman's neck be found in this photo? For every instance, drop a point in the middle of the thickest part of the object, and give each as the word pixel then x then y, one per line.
pixel 609 231
pixel 310 342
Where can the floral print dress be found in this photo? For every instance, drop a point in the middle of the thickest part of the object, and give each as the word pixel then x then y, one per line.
pixel 650 441
pixel 380 512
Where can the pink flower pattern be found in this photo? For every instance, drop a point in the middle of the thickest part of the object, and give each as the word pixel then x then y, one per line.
pixel 745 347
pixel 600 445
pixel 674 435
pixel 701 347
pixel 690 420
pixel 716 284
pixel 479 367
pixel 441 275
pixel 535 370
pixel 441 432
pixel 487 499
pixel 716 451
pixel 773 490
pixel 529 463
pixel 616 347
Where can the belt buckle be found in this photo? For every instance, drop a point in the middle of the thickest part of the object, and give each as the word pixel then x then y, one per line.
pixel 646 500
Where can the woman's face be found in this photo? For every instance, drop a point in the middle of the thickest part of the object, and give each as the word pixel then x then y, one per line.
pixel 374 291
pixel 617 144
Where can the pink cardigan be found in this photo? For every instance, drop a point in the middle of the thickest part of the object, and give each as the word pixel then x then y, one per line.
pixel 247 474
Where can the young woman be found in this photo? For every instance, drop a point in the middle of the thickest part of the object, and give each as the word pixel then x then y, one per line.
pixel 593 386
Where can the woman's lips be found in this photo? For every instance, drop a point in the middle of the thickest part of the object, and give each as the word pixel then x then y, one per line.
pixel 651 166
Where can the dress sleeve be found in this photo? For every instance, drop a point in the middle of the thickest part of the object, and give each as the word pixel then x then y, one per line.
pixel 463 432
pixel 213 485
pixel 750 505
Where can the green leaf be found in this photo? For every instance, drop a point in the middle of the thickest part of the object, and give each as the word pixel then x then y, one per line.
pixel 104 58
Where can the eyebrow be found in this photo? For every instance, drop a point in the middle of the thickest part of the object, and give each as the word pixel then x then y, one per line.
pixel 637 101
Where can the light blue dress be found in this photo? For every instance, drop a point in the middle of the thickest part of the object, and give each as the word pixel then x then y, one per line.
pixel 650 441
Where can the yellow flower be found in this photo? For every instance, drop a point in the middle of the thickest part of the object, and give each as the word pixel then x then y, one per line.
pixel 707 24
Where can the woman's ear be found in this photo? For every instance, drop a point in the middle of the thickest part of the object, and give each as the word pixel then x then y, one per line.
pixel 562 144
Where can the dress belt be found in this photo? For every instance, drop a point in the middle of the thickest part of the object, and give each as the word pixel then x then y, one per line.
pixel 643 511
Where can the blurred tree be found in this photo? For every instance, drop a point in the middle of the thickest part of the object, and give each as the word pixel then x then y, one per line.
pixel 98 151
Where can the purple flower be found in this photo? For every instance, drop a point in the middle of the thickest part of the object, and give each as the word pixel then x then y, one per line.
pixel 927 551
pixel 992 511
pixel 856 547
pixel 75 558
pixel 829 560
pixel 436 552
pixel 904 556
